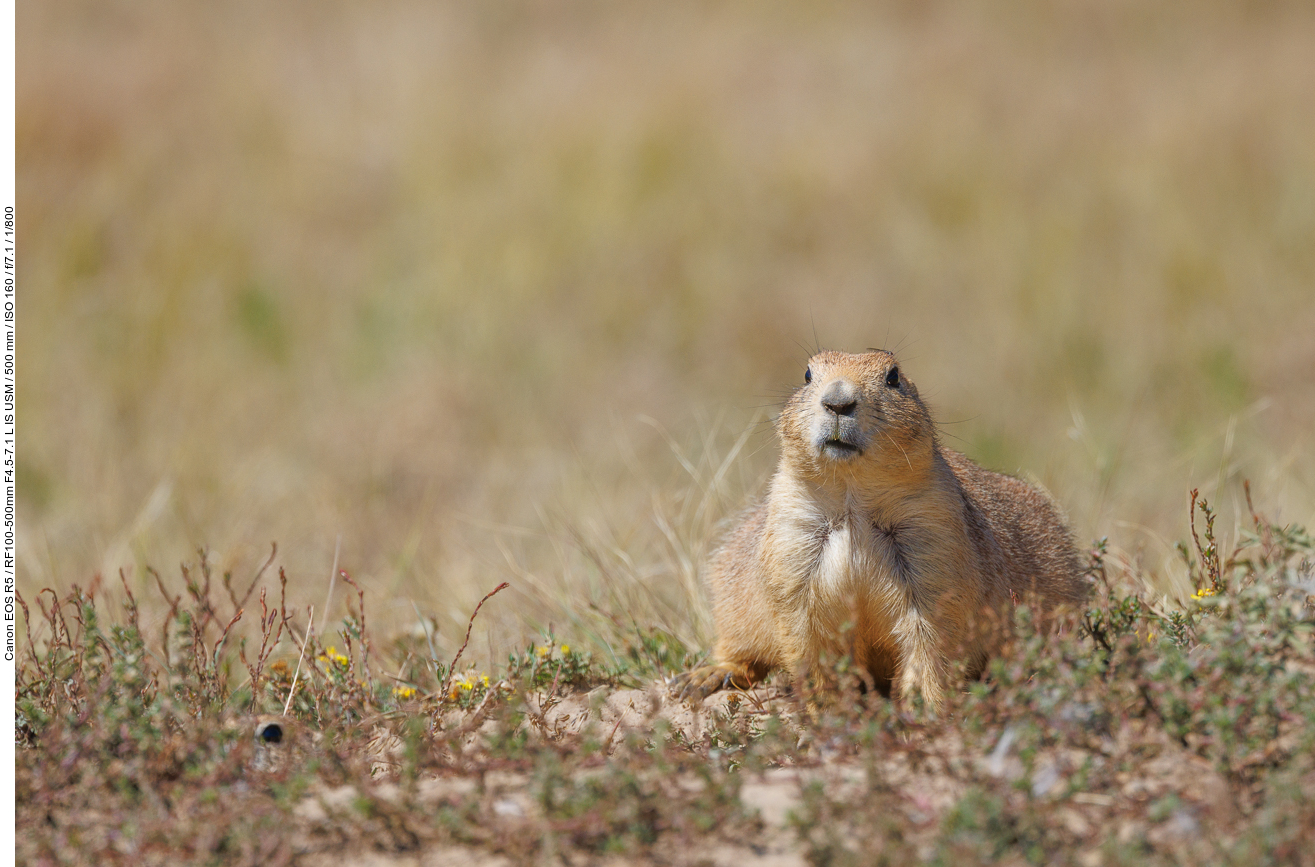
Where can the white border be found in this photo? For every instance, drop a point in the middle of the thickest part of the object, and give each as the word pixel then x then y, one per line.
pixel 8 201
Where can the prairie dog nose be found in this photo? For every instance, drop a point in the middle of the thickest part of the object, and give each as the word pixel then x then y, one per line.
pixel 840 397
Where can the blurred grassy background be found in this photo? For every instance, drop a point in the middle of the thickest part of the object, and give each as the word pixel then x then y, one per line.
pixel 494 290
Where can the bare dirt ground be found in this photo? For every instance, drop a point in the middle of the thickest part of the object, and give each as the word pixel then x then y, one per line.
pixel 927 778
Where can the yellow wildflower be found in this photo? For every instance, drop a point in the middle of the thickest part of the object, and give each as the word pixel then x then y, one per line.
pixel 543 650
pixel 566 648
pixel 465 683
pixel 404 692
pixel 331 654
pixel 1203 593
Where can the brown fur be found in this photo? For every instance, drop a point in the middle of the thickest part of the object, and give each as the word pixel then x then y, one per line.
pixel 869 522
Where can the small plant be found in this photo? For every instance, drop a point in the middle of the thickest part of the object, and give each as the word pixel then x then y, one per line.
pixel 541 666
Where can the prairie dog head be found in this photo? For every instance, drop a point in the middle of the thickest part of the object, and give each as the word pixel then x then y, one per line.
pixel 857 416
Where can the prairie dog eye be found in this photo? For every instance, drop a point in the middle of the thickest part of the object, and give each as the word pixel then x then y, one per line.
pixel 892 378
pixel 808 374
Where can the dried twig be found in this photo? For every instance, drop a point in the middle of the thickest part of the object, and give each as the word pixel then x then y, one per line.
pixel 447 683
pixel 1210 564
pixel 27 626
pixel 131 604
pixel 333 576
pixel 223 636
pixel 365 640
pixel 173 612
pixel 287 705
pixel 267 617
pixel 239 603
pixel 1255 516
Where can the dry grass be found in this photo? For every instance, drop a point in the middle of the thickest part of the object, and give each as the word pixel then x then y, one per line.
pixel 417 275
pixel 1144 735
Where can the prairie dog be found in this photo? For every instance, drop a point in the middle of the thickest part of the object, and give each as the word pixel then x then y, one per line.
pixel 870 522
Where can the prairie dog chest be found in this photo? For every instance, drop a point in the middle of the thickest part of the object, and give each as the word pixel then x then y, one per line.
pixel 845 570
pixel 844 557
pixel 844 554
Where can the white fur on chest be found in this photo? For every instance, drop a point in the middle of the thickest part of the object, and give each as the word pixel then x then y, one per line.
pixel 851 584
pixel 842 564
pixel 831 544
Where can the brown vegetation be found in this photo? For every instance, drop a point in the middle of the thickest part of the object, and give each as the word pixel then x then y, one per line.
pixel 1150 736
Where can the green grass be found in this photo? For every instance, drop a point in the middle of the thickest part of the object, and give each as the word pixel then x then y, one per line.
pixel 1143 733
